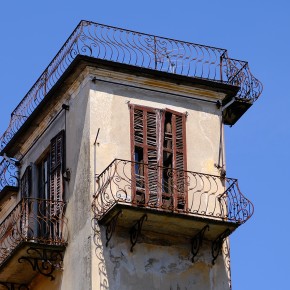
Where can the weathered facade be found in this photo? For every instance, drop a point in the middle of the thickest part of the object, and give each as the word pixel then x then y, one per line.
pixel 113 172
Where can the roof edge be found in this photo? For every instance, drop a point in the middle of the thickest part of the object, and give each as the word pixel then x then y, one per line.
pixel 79 64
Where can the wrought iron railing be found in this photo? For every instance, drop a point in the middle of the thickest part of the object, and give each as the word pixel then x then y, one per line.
pixel 9 174
pixel 32 220
pixel 186 192
pixel 140 50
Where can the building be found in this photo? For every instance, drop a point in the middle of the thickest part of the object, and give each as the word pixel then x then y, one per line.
pixel 113 171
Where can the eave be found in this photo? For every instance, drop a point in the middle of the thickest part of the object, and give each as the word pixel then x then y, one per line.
pixel 74 70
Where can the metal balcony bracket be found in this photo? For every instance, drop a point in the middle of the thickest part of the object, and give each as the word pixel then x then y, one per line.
pixel 111 226
pixel 43 261
pixel 136 230
pixel 217 244
pixel 196 242
pixel 14 286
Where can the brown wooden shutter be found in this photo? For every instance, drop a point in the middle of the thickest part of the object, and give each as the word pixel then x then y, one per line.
pixel 139 184
pixel 56 167
pixel 25 183
pixel 154 156
pixel 146 126
pixel 159 138
pixel 179 160
pixel 26 192
pixel 138 127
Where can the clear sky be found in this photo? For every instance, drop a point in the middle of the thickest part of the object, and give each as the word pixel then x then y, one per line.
pixel 257 146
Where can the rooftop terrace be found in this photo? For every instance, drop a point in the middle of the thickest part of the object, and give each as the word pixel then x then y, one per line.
pixel 139 50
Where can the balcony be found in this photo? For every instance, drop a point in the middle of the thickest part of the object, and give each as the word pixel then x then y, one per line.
pixel 32 240
pixel 148 52
pixel 9 177
pixel 168 202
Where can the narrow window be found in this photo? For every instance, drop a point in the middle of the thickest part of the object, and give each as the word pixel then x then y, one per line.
pixel 43 203
pixel 56 182
pixel 158 150
pixel 56 167
pixel 25 183
pixel 50 189
pixel 26 193
pixel 43 178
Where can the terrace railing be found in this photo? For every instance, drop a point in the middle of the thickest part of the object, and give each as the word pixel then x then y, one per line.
pixel 184 192
pixel 33 220
pixel 9 174
pixel 140 50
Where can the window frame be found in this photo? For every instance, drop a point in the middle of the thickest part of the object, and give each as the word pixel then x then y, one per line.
pixel 160 116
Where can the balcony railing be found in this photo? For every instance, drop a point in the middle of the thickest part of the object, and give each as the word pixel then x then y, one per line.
pixel 165 189
pixel 140 50
pixel 9 174
pixel 36 221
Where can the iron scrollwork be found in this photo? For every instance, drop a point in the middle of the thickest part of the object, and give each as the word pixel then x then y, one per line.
pixel 136 230
pixel 9 174
pixel 110 228
pixel 43 261
pixel 218 243
pixel 32 220
pixel 227 258
pixel 206 195
pixel 196 242
pixel 104 283
pixel 139 50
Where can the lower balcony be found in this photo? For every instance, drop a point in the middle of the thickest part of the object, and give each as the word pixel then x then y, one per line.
pixel 168 201
pixel 32 241
pixel 9 178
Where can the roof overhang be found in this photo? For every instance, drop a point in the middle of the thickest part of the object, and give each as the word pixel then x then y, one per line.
pixel 80 63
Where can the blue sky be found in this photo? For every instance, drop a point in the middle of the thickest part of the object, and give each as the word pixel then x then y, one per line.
pixel 257 146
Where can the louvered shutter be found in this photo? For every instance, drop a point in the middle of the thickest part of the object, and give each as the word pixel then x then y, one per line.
pixel 25 183
pixel 138 127
pixel 159 136
pixel 154 156
pixel 179 160
pixel 56 184
pixel 56 170
pixel 25 191
pixel 138 148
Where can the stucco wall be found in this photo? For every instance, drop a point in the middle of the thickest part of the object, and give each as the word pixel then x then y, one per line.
pixel 151 265
pixel 88 264
pixel 110 113
pixel 77 259
pixel 161 264
pixel 78 253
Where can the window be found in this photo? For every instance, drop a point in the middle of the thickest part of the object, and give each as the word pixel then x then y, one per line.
pixel 56 167
pixel 43 178
pixel 49 172
pixel 158 150
pixel 25 183
pixel 44 208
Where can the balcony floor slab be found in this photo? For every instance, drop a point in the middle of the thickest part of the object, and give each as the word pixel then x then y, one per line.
pixel 163 222
pixel 22 273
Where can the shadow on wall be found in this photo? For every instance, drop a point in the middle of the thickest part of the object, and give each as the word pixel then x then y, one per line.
pixel 156 266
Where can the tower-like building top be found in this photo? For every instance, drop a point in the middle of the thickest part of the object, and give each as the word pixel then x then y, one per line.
pixel 144 53
pixel 114 162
